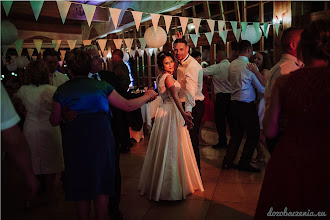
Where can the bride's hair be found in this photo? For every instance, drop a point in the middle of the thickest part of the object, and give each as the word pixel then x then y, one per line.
pixel 161 56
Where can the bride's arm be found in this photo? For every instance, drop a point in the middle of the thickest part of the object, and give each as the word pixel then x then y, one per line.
pixel 169 83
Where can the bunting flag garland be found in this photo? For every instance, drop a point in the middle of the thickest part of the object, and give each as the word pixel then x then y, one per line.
pixel 118 43
pixel 234 26
pixel 19 52
pixel 58 45
pixel 209 36
pixel 211 25
pixel 89 12
pixel 142 42
pixel 42 52
pixel 221 24
pixel 18 44
pixel 63 7
pixel 54 42
pixel 265 29
pixel 161 48
pixel 243 26
pixel 168 21
pixel 38 43
pixel 194 38
pixel 155 50
pixel 129 42
pixel 115 12
pixel 63 52
pixel 137 15
pixel 140 52
pixel 30 52
pixel 105 53
pixel 102 43
pixel 72 44
pixel 34 58
pixel 150 50
pixel 36 7
pixel 197 22
pixel 223 35
pixel 173 37
pixel 7 5
pixel 87 42
pixel 276 25
pixel 183 21
pixel 155 19
pixel 256 26
pixel 4 50
pixel 238 34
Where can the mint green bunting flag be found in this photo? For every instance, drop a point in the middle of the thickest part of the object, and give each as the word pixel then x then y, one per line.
pixel 265 29
pixel 243 26
pixel 7 5
pixel 234 26
pixel 223 35
pixel 36 7
pixel 19 43
pixel 194 38
pixel 277 26
pixel 209 36
pixel 256 26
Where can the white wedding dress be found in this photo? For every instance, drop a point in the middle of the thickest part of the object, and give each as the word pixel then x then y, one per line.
pixel 170 170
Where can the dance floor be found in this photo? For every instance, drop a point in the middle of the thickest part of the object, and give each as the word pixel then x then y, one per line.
pixel 229 194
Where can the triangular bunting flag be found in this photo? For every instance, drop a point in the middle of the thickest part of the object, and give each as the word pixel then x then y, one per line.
pixel 4 50
pixel 63 52
pixel 211 24
pixel 256 27
pixel 105 53
pixel 100 52
pixel 161 48
pixel 7 5
pixel 155 50
pixel 155 19
pixel 129 42
pixel 54 42
pixel 89 12
pixel 183 21
pixel 173 37
pixel 223 35
pixel 19 52
pixel 137 15
pixel 30 52
pixel 34 58
pixel 63 7
pixel 18 44
pixel 118 43
pixel 209 36
pixel 234 26
pixel 133 52
pixel 42 52
pixel 243 26
pixel 221 24
pixel 140 52
pixel 168 21
pixel 151 50
pixel 58 45
pixel 194 38
pixel 72 44
pixel 265 29
pixel 238 34
pixel 36 7
pixel 142 42
pixel 38 44
pixel 87 42
pixel 102 43
pixel 115 12
pixel 276 25
pixel 146 51
pixel 197 22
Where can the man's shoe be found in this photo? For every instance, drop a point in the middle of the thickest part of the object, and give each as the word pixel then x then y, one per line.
pixel 228 166
pixel 218 146
pixel 248 168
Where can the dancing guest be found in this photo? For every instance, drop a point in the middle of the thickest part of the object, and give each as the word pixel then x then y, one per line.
pixel 260 68
pixel 294 178
pixel 45 141
pixel 169 170
pixel 88 140
pixel 191 81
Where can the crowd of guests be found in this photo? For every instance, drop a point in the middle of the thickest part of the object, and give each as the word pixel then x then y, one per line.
pixel 78 125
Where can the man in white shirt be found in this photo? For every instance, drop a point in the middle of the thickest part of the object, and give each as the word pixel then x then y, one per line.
pixel 222 89
pixel 287 64
pixel 244 112
pixel 192 84
pixel 50 56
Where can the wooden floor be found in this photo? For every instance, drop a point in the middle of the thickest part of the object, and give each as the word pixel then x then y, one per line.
pixel 229 194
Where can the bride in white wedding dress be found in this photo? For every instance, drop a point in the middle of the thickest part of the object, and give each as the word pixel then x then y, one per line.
pixel 170 170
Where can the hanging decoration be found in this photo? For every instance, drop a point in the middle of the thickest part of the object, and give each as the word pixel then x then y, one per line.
pixel 129 42
pixel 36 7
pixel 63 7
pixel 168 21
pixel 102 43
pixel 223 36
pixel 209 36
pixel 251 35
pixel 4 50
pixel 238 34
pixel 18 44
pixel 87 42
pixel 72 44
pixel 38 43
pixel 137 15
pixel 7 5
pixel 277 26
pixel 118 43
pixel 89 12
pixel 194 38
pixel 265 29
pixel 63 52
pixel 155 39
pixel 155 20
pixel 9 33
pixel 243 26
pixel 115 12
pixel 211 25
pixel 197 22
pixel 30 52
pixel 234 26
pixel 183 22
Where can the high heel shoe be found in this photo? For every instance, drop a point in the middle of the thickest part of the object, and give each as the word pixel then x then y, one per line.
pixel 259 158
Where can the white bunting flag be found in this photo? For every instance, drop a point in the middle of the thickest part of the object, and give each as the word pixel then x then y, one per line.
pixel 7 5
pixel 58 45
pixel 197 22
pixel 63 7
pixel 161 48
pixel 140 52
pixel 54 42
pixel 194 38
pixel 173 37
pixel 234 26
pixel 87 42
pixel 168 21
pixel 238 34
pixel 211 24
pixel 155 20
pixel 151 50
pixel 105 53
pixel 183 21
pixel 133 52
pixel 223 35
pixel 118 43
pixel 72 44
pixel 115 12
pixel 155 50
pixel 42 52
pixel 221 24
pixel 30 52
pixel 137 15
pixel 129 42
pixel 38 43
pixel 89 12
pixel 142 42
pixel 36 7
pixel 209 36
pixel 102 43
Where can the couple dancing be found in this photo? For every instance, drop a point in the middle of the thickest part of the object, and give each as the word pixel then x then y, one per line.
pixel 170 170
